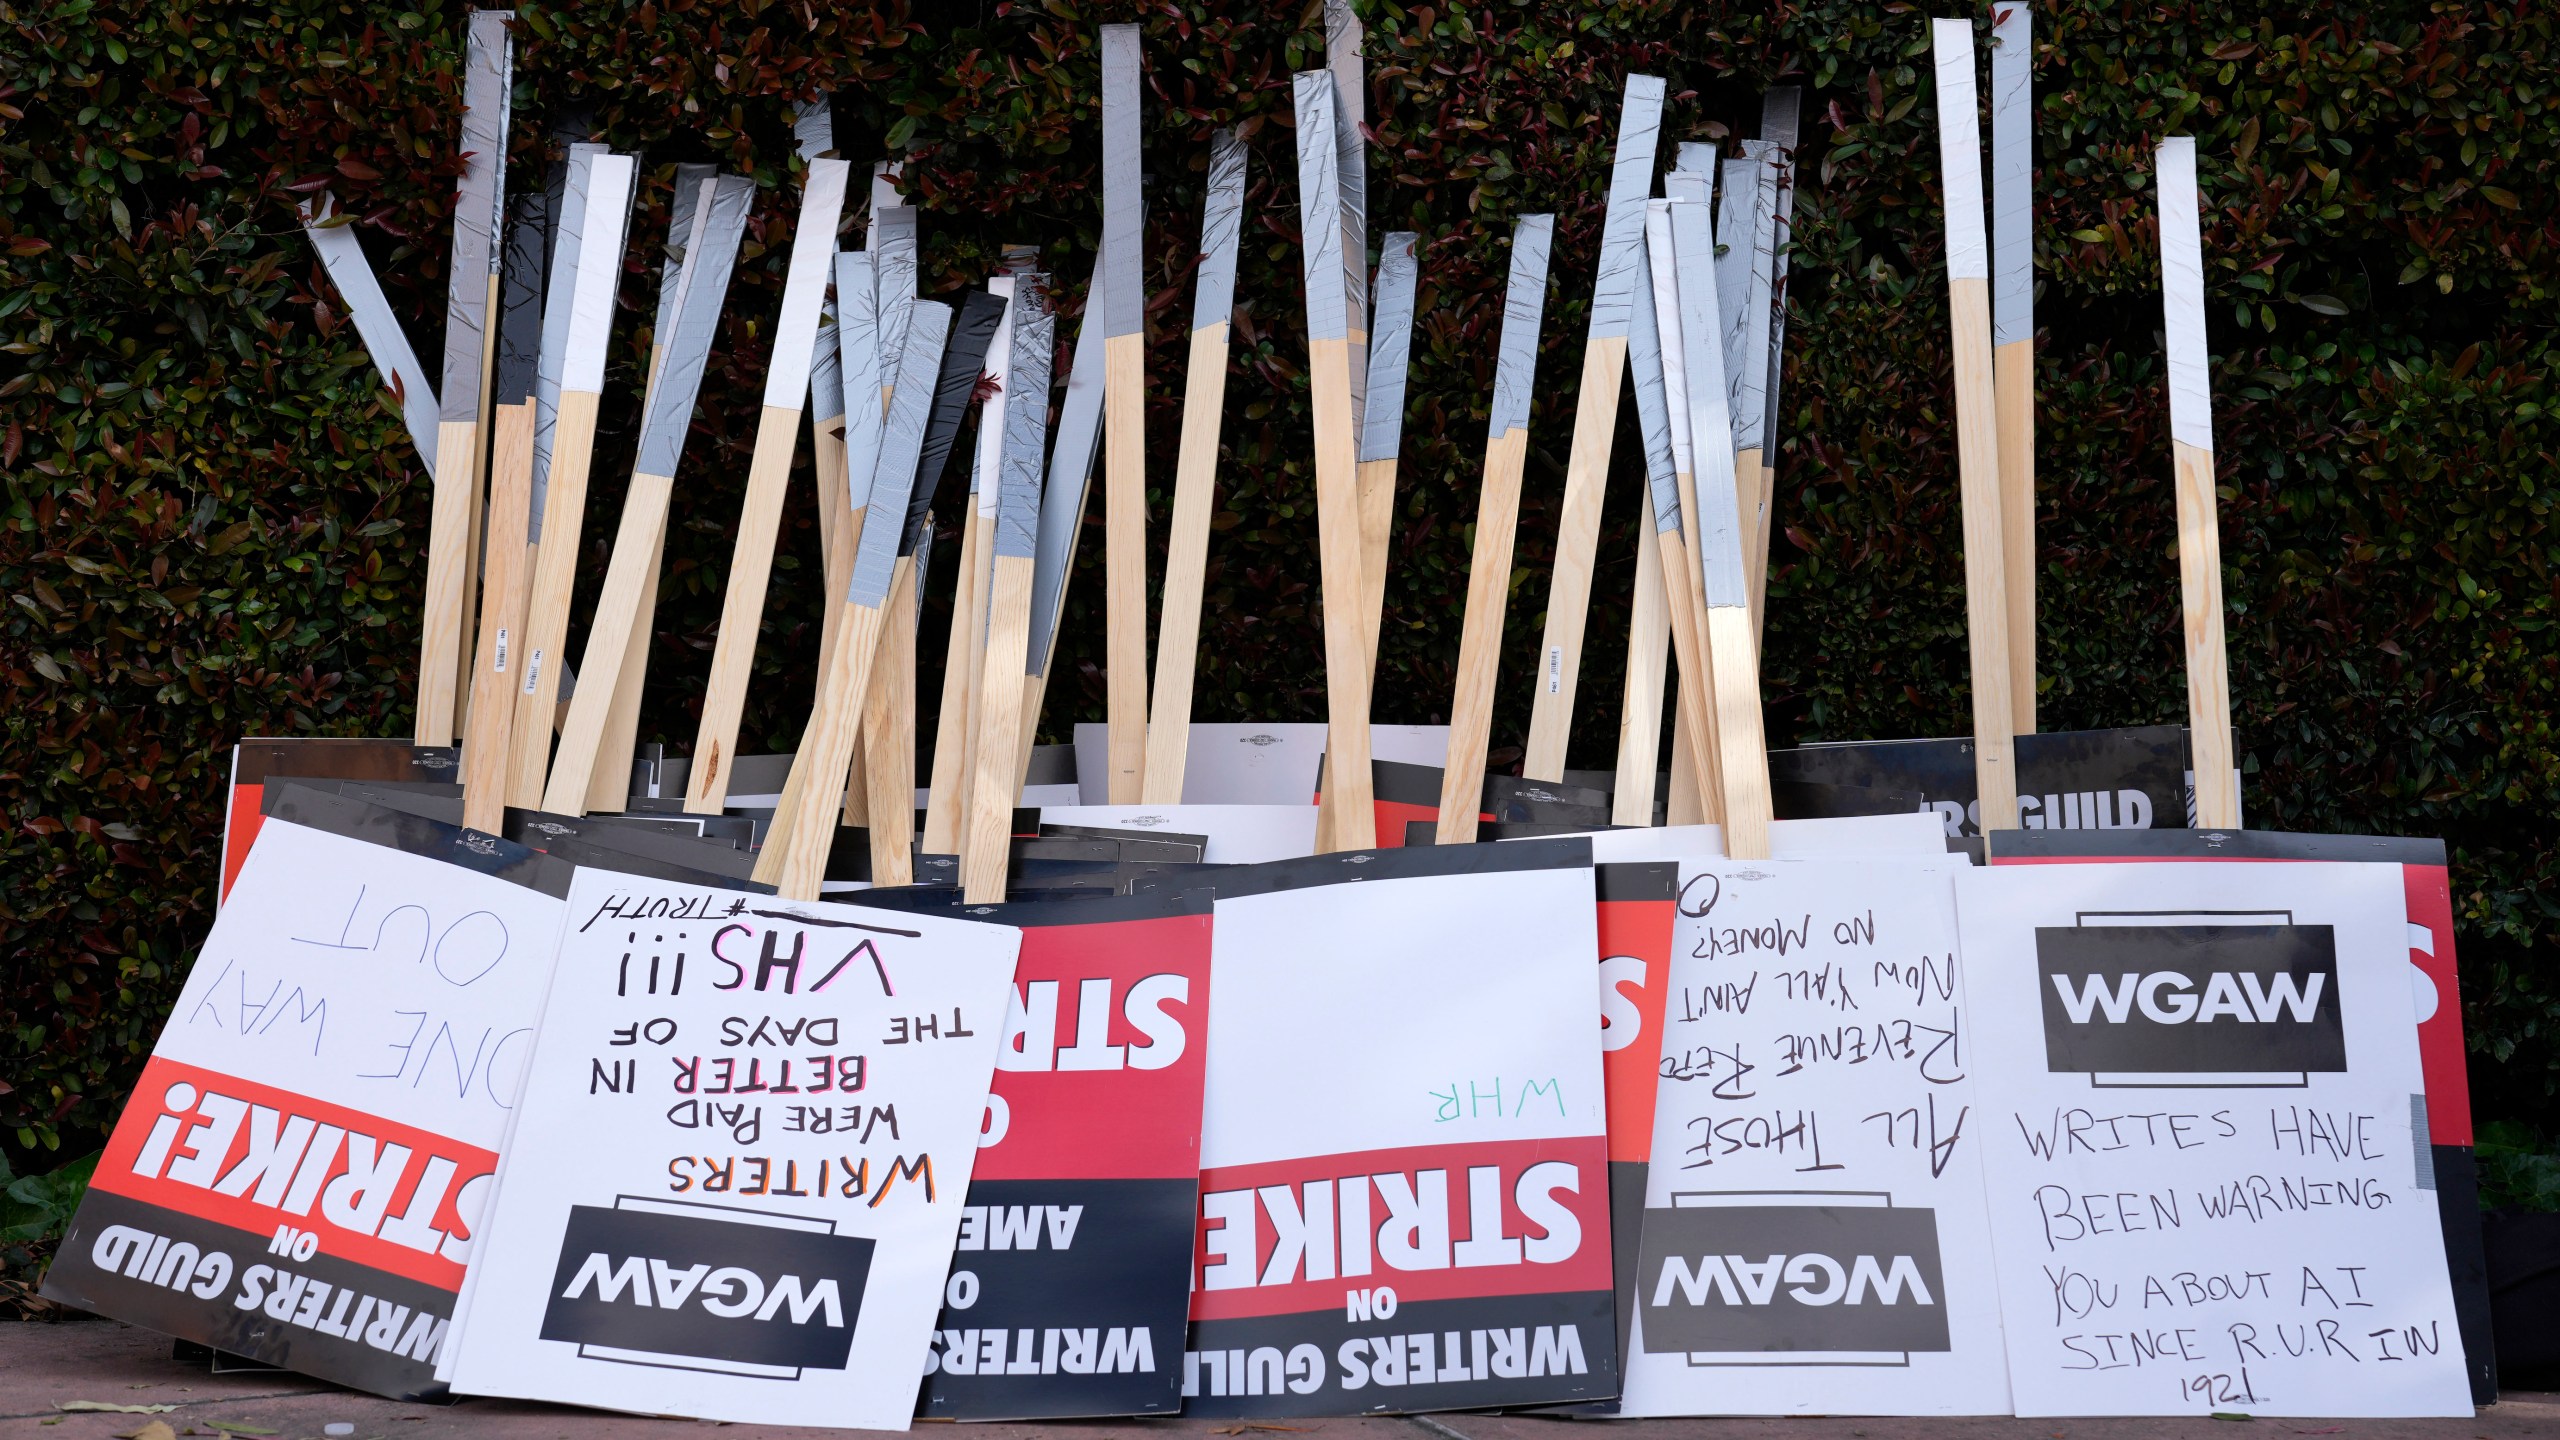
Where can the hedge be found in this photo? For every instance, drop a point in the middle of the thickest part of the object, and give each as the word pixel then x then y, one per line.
pixel 213 518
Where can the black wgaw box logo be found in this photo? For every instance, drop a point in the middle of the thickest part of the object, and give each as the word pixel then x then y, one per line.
pixel 2190 1000
pixel 1792 1284
pixel 704 1287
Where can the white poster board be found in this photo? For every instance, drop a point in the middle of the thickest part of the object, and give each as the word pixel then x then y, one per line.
pixel 1815 1237
pixel 740 1160
pixel 1403 1138
pixel 2204 1141
pixel 1237 834
pixel 316 1129
pixel 1254 764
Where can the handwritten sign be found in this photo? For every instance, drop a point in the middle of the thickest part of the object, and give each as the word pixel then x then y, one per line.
pixel 1404 1173
pixel 300 1175
pixel 739 1167
pixel 1814 1228
pixel 1072 1280
pixel 2204 1141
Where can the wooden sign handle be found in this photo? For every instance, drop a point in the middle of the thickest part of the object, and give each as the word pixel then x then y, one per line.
pixel 724 699
pixel 555 575
pixel 794 859
pixel 988 832
pixel 946 801
pixel 889 735
pixel 2199 523
pixel 1186 567
pixel 498 656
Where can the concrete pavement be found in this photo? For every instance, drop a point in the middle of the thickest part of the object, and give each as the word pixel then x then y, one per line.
pixel 43 1365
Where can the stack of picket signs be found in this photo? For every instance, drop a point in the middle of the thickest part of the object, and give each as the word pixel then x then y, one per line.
pixel 1273 1070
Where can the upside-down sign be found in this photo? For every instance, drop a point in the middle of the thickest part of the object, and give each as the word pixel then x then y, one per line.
pixel 1404 1176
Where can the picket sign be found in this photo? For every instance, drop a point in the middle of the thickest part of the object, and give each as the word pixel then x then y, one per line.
pixel 301 1174
pixel 2209 1183
pixel 672 1235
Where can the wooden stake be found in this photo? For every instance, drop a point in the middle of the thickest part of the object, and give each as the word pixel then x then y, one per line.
pixel 1595 424
pixel 499 643
pixel 889 734
pixel 1497 523
pixel 1977 424
pixel 2199 521
pixel 2013 336
pixel 795 335
pixel 794 859
pixel 1640 714
pixel 1660 363
pixel 333 239
pixel 963 657
pixel 452 538
pixel 1014 543
pixel 630 589
pixel 1062 507
pixel 1382 422
pixel 1124 382
pixel 1195 482
pixel 1757 171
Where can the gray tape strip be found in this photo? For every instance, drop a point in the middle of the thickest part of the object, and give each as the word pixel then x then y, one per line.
pixel 687 348
pixel 804 285
pixel 1694 157
pixel 1751 398
pixel 2182 295
pixel 476 209
pixel 1653 404
pixel 1026 424
pixel 893 279
pixel 1123 203
pixel 393 359
pixel 901 445
pixel 858 343
pixel 2422 1142
pixel 1702 330
pixel 1664 271
pixel 1630 181
pixel 815 130
pixel 681 208
pixel 1780 112
pixel 1737 219
pixel 986 462
pixel 2013 167
pixel 1221 232
pixel 1960 148
pixel 1390 347
pixel 1320 206
pixel 1524 306
pixel 1343 38
pixel 964 359
pixel 558 306
pixel 520 300
pixel 813 126
pixel 1070 470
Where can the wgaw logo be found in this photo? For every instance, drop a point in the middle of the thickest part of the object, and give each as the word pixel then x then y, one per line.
pixel 703 1287
pixel 1816 1283
pixel 2190 1000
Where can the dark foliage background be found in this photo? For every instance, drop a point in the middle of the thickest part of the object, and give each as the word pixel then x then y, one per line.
pixel 212 519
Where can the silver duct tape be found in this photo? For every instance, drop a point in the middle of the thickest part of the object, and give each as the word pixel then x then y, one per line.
pixel 884 185
pixel 476 209
pixel 964 360
pixel 893 478
pixel 718 229
pixel 1070 471
pixel 1221 233
pixel 1751 398
pixel 2182 295
pixel 1780 112
pixel 804 284
pixel 1665 274
pixel 893 279
pixel 1653 406
pixel 2013 174
pixel 813 127
pixel 1737 220
pixel 603 230
pixel 858 346
pixel 1123 201
pixel 1524 307
pixel 1630 182
pixel 1694 157
pixel 558 306
pixel 1026 425
pixel 989 455
pixel 1390 347
pixel 1320 206
pixel 520 300
pixel 1719 557
pixel 361 293
pixel 681 207
pixel 1960 149
pixel 1343 40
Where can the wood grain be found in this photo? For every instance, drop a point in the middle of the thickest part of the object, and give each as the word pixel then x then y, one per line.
pixel 1742 749
pixel 1559 664
pixel 946 801
pixel 1751 495
pixel 610 787
pixel 630 585
pixel 497 654
pixel 2014 381
pixel 988 832
pixel 724 698
pixel 1640 712
pixel 2208 663
pixel 448 570
pixel 555 576
pixel 1986 600
pixel 1349 782
pixel 889 735
pixel 1480 641
pixel 1683 805
pixel 794 860
pixel 1186 567
pixel 1124 543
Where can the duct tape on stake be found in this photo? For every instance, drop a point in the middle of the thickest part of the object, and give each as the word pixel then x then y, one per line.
pixel 893 277
pixel 1390 347
pixel 687 346
pixel 1702 289
pixel 558 307
pixel 1664 272
pixel 901 450
pixel 1780 113
pixel 2013 143
pixel 1062 499
pixel 858 346
pixel 1026 426
pixel 2182 293
pixel 1621 270
pixel 1524 302
pixel 388 345
pixel 1751 403
pixel 1960 142
pixel 476 209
